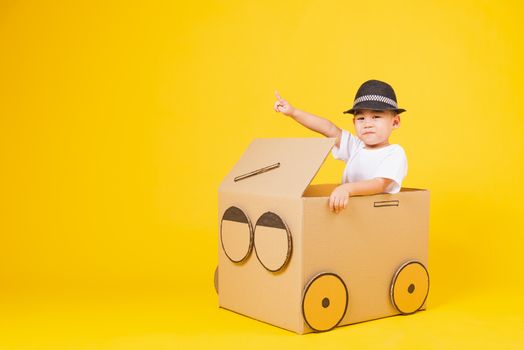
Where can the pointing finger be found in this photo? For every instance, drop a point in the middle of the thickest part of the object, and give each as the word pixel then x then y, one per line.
pixel 278 95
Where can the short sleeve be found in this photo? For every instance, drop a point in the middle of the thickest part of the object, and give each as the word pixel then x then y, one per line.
pixel 348 145
pixel 394 167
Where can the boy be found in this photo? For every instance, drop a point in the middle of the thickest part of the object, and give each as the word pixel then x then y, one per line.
pixel 372 164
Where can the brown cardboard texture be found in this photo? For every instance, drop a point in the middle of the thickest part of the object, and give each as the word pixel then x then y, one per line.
pixel 284 258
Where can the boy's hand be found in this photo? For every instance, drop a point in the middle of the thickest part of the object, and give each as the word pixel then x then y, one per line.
pixel 283 106
pixel 339 198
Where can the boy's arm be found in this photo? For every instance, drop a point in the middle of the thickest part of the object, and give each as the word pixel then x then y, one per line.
pixel 340 196
pixel 316 123
pixel 310 121
pixel 367 187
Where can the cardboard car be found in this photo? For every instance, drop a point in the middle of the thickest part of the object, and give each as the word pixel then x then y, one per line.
pixel 284 258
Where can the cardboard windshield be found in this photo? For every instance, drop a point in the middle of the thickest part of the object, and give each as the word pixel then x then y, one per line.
pixel 277 167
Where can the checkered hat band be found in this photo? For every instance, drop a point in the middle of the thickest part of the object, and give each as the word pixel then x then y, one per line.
pixel 377 98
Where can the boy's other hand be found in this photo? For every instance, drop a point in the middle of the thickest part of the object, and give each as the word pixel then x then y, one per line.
pixel 339 198
pixel 283 106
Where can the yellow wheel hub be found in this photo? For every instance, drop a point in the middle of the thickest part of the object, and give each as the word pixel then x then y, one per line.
pixel 325 302
pixel 410 287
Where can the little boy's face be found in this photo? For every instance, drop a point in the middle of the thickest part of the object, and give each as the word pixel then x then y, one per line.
pixel 374 127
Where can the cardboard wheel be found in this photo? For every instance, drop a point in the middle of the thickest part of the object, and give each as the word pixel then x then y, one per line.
pixel 325 302
pixel 236 235
pixel 273 244
pixel 215 280
pixel 410 287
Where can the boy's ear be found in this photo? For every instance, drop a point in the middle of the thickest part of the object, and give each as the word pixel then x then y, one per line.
pixel 396 121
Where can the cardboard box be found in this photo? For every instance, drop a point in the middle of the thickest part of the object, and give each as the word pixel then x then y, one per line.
pixel 284 258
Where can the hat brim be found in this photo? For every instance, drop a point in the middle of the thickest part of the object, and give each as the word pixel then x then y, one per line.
pixel 374 105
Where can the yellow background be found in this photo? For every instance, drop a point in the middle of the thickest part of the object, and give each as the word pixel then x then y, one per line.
pixel 119 120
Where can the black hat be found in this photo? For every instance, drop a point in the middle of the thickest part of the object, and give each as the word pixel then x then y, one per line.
pixel 376 95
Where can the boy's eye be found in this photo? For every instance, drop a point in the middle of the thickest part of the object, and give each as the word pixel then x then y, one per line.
pixel 360 118
pixel 376 116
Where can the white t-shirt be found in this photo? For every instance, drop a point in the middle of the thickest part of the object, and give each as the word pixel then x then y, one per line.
pixel 364 164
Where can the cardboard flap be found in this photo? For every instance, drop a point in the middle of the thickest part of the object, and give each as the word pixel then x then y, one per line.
pixel 278 166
